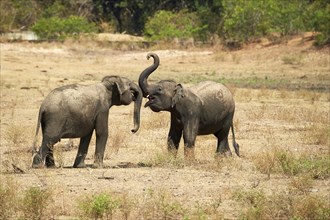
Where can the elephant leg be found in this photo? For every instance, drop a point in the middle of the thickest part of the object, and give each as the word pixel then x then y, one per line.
pixel 173 140
pixel 101 141
pixel 101 131
pixel 45 153
pixel 82 151
pixel 49 160
pixel 223 145
pixel 189 136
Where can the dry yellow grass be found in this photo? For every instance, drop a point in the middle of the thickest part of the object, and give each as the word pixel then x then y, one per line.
pixel 273 127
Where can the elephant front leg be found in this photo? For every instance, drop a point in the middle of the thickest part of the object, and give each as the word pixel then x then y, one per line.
pixel 82 151
pixel 101 141
pixel 101 131
pixel 189 136
pixel 173 140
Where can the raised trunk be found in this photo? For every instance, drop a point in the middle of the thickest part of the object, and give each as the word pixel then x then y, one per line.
pixel 143 83
pixel 137 106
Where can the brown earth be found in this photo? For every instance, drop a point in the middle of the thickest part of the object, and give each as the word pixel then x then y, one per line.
pixel 280 92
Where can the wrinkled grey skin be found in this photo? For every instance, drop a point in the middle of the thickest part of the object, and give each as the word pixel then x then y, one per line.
pixel 206 108
pixel 75 111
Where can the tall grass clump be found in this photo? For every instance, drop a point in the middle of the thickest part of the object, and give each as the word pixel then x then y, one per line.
pixel 99 206
pixel 8 199
pixel 160 205
pixel 166 160
pixel 35 203
pixel 259 206
pixel 286 162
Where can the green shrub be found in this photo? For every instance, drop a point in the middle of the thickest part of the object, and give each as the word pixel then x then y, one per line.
pixel 319 21
pixel 56 28
pixel 99 206
pixel 247 20
pixel 166 25
pixel 244 20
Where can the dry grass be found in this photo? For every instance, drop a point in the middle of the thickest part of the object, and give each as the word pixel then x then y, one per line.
pixel 258 205
pixel 284 161
pixel 283 135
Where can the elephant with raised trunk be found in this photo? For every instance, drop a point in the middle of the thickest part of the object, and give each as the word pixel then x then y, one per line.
pixel 75 111
pixel 206 108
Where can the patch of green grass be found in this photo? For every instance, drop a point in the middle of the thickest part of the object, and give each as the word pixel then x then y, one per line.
pixel 99 206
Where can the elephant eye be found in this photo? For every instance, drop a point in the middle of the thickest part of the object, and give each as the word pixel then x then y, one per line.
pixel 160 89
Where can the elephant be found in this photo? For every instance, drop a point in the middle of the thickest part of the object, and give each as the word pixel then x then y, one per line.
pixel 75 111
pixel 202 109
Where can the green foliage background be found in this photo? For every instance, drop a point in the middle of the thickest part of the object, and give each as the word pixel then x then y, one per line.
pixel 238 21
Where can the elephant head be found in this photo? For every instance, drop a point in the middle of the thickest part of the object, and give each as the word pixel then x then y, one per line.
pixel 160 94
pixel 124 93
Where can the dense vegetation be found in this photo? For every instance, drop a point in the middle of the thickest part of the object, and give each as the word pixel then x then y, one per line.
pixel 235 21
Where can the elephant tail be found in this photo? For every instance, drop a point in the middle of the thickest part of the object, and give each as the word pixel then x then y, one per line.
pixel 235 144
pixel 34 148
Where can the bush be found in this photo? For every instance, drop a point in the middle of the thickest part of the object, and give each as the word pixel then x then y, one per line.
pixel 35 203
pixel 56 28
pixel 285 162
pixel 99 206
pixel 17 14
pixel 247 20
pixel 166 25
pixel 319 20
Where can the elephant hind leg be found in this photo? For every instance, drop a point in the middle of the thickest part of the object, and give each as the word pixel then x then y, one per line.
pixel 223 145
pixel 45 154
pixel 49 160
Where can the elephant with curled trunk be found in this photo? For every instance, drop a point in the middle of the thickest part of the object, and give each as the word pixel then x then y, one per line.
pixel 206 108
pixel 75 111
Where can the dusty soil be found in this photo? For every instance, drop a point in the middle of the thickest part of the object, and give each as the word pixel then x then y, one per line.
pixel 279 91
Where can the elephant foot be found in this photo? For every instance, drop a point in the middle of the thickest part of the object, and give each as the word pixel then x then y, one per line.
pixel 173 152
pixel 37 161
pixel 224 154
pixel 80 165
pixel 50 163
pixel 189 154
pixel 98 165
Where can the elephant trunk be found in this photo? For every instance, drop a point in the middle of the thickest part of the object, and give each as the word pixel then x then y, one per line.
pixel 143 83
pixel 137 106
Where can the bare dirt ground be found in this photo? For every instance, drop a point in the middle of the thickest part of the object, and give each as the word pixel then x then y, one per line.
pixel 281 93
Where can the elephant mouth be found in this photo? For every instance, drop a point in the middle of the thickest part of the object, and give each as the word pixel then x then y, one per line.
pixel 134 95
pixel 150 102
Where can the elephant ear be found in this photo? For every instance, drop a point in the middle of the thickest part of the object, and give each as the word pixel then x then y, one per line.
pixel 178 94
pixel 114 84
pixel 118 88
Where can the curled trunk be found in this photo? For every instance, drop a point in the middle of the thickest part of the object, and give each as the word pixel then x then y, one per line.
pixel 143 83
